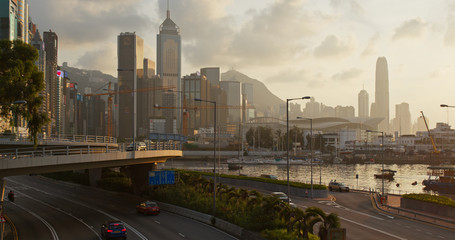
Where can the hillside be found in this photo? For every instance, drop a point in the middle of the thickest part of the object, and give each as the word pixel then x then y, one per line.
pixel 264 100
pixel 88 78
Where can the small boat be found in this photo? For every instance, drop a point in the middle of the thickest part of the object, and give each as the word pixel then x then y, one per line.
pixel 414 183
pixel 233 166
pixel 440 178
pixel 386 174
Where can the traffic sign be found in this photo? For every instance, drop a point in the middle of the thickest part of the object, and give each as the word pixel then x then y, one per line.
pixel 161 177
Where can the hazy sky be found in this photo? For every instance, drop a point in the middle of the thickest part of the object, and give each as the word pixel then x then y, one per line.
pixel 323 48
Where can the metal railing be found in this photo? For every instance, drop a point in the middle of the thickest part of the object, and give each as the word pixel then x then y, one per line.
pixel 31 152
pixel 60 138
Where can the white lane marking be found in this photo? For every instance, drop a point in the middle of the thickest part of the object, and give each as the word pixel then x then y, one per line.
pixel 84 205
pixel 60 210
pixel 157 222
pixel 334 204
pixel 372 228
pixel 49 226
pixel 441 237
pixel 183 236
pixel 385 215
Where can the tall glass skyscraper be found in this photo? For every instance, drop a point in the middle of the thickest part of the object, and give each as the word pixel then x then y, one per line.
pixel 168 59
pixel 364 110
pixel 381 104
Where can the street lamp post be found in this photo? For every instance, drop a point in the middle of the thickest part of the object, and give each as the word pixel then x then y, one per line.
pixel 214 152
pixel 287 136
pixel 382 154
pixel 311 151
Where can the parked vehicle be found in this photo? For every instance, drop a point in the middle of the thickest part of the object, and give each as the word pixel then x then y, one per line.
pixel 337 186
pixel 148 208
pixel 113 229
pixel 269 176
pixel 281 195
pixel 140 146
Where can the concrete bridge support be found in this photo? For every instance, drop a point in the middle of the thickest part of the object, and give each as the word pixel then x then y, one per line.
pixel 94 175
pixel 139 176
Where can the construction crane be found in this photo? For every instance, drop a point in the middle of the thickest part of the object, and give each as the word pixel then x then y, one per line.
pixel 111 93
pixel 185 113
pixel 435 150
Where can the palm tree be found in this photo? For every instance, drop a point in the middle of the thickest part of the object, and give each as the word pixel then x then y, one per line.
pixel 303 222
pixel 327 221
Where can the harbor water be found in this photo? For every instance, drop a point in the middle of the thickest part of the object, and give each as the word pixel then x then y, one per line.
pixel 356 176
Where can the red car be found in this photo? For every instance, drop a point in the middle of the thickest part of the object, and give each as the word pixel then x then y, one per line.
pixel 148 207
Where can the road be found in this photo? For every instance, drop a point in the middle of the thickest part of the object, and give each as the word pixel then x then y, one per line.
pixel 364 222
pixel 48 209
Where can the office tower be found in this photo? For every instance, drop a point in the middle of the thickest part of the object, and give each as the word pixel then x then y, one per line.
pixel 344 112
pixel 8 19
pixel 130 54
pixel 168 59
pixel 363 99
pixel 53 82
pixel 234 99
pixel 38 43
pixel 380 108
pixel 200 114
pixel 248 100
pixel 402 121
pixel 147 97
pixel 212 74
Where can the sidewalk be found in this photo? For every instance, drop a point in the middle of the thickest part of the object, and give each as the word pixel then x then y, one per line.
pixel 393 206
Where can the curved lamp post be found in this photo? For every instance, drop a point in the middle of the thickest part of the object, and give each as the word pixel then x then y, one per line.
pixel 287 136
pixel 214 152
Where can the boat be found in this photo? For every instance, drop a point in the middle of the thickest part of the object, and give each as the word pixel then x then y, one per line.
pixel 440 178
pixel 386 174
pixel 234 166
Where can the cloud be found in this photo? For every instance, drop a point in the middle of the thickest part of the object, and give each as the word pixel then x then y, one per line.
pixel 413 28
pixel 332 46
pixel 102 58
pixel 347 75
pixel 371 46
pixel 88 23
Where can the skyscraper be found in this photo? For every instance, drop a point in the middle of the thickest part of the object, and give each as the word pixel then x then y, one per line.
pixel 168 58
pixel 130 53
pixel 381 104
pixel 53 83
pixel 364 110
pixel 402 121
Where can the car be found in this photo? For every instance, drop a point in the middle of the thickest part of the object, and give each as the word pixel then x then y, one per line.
pixel 148 208
pixel 281 195
pixel 337 186
pixel 269 176
pixel 113 229
pixel 140 146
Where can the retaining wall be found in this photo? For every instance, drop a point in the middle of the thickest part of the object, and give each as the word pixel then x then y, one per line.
pixel 433 208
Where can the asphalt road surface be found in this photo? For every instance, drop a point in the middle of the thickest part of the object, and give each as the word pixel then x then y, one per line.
pixel 48 209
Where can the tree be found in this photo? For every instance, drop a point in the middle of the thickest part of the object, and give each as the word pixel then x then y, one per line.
pixel 327 221
pixel 21 80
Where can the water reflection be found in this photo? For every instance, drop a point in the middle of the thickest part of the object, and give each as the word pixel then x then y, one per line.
pixel 406 174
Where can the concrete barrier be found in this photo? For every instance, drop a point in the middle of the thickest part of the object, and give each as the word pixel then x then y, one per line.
pixel 433 208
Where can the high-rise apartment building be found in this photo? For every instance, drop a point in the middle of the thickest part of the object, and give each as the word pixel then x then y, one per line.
pixel 380 108
pixel 196 85
pixel 130 53
pixel 168 59
pixel 364 104
pixel 8 19
pixel 53 82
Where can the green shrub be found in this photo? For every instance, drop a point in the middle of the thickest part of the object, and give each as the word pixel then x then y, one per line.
pixel 117 184
pixel 282 234
pixel 70 176
pixel 266 180
pixel 431 198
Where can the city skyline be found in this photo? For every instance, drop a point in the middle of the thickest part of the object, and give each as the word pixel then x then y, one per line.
pixel 317 48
